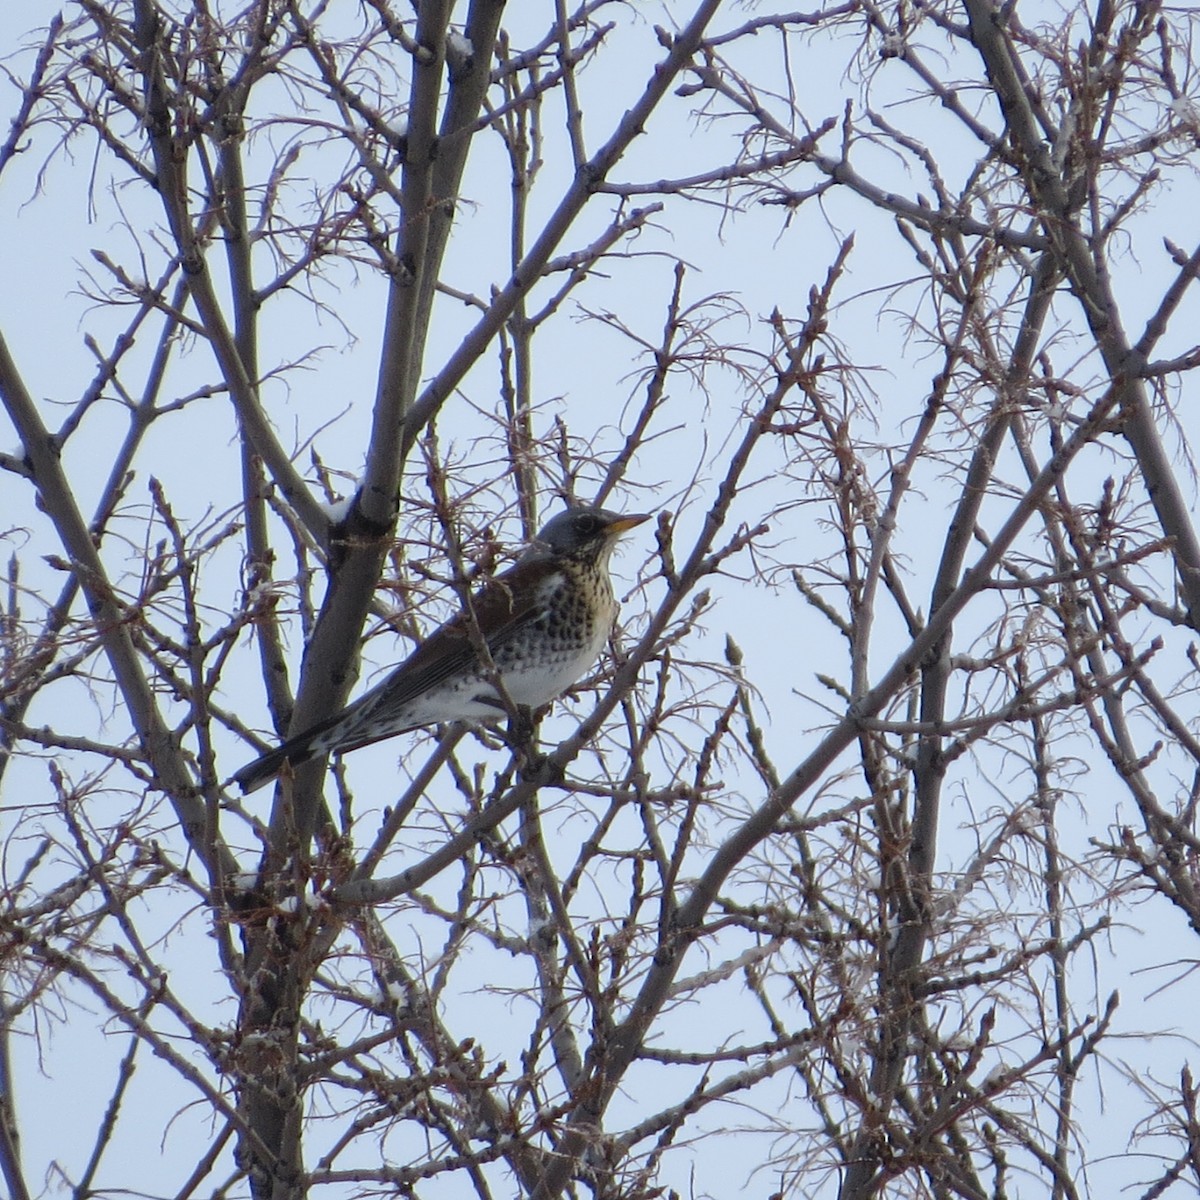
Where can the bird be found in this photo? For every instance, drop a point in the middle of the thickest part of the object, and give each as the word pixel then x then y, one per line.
pixel 544 621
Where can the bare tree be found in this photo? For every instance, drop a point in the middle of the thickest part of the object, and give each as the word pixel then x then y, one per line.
pixel 825 878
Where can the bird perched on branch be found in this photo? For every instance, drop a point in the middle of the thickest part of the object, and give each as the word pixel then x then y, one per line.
pixel 543 621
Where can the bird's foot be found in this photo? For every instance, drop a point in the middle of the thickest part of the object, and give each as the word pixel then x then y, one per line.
pixel 521 736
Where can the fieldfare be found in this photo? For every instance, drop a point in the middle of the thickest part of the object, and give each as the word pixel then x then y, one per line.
pixel 544 621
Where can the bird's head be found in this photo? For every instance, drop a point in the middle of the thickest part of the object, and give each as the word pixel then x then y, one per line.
pixel 584 533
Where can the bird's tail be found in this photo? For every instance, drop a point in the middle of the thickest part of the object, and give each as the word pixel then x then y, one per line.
pixel 293 752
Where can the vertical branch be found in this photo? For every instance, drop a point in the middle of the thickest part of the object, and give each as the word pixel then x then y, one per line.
pixel 470 76
pixel 566 62
pixel 400 358
pixel 10 1140
pixel 229 117
pixel 520 125
pixel 1045 798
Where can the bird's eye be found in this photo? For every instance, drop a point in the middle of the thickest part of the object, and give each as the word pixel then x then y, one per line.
pixel 586 524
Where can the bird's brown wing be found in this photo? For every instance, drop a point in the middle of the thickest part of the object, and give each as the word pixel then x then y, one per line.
pixel 504 606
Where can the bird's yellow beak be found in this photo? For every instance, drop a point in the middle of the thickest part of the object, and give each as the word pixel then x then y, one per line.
pixel 625 523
